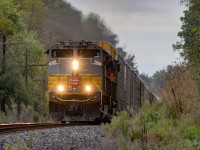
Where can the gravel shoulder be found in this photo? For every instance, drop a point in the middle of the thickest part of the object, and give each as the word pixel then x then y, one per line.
pixel 67 138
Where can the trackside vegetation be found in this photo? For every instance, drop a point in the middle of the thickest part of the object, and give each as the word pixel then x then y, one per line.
pixel 172 123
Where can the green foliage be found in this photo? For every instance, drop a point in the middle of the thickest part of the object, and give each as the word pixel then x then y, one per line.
pixel 20 113
pixel 18 146
pixel 34 14
pixel 120 127
pixel 130 59
pixel 30 142
pixel 13 86
pixel 192 132
pixel 151 118
pixel 156 82
pixel 190 36
pixel 120 122
pixel 12 82
pixel 10 21
pixel 163 132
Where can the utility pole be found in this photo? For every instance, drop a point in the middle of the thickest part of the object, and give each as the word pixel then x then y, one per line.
pixel 3 103
pixel 4 54
pixel 26 67
pixel 44 82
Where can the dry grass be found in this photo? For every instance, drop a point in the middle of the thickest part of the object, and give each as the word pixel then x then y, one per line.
pixel 181 95
pixel 171 124
pixel 21 113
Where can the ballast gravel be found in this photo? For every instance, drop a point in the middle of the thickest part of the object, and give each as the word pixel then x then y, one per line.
pixel 66 138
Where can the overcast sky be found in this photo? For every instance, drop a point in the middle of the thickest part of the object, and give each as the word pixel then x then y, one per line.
pixel 146 28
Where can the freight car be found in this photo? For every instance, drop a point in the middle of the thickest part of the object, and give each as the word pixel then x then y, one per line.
pixel 90 81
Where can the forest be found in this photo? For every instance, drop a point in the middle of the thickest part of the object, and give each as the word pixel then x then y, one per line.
pixel 28 28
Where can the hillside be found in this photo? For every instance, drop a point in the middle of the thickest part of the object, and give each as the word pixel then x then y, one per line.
pixel 61 22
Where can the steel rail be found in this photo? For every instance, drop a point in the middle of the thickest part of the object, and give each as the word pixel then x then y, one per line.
pixel 11 128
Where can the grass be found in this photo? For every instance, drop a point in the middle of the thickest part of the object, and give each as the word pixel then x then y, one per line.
pixel 26 114
pixel 163 131
pixel 172 124
pixel 21 145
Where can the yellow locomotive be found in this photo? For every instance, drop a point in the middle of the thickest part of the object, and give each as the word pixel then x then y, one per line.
pixel 82 80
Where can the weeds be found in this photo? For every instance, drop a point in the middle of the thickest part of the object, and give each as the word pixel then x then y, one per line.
pixel 21 145
pixel 18 146
pixel 21 113
pixel 173 123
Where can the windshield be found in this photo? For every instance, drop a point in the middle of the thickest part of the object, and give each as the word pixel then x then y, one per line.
pixel 89 53
pixel 62 53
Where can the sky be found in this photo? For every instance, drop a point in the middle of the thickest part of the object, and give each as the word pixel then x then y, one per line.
pixel 145 28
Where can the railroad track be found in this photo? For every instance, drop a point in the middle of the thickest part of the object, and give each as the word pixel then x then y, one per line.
pixel 9 128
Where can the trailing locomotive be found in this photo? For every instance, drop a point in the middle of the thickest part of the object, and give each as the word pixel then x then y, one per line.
pixel 89 81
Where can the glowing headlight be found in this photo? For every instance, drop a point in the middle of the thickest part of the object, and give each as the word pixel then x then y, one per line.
pixel 60 88
pixel 75 64
pixel 88 88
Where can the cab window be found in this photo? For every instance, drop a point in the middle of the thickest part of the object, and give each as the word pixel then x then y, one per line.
pixel 89 53
pixel 62 53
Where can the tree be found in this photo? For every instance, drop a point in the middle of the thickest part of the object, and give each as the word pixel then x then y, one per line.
pixel 10 22
pixel 190 36
pixel 12 82
pixel 130 59
pixel 34 13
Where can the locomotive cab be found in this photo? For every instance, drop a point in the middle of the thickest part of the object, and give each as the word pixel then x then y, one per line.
pixel 78 77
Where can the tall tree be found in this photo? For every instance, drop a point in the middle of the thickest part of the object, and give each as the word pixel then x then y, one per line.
pixel 190 34
pixel 12 81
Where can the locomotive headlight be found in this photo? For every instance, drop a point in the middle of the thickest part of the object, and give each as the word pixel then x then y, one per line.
pixel 75 64
pixel 88 88
pixel 60 88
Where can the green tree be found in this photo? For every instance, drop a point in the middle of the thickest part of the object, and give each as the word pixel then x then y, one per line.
pixel 12 82
pixel 34 13
pixel 10 22
pixel 190 36
pixel 130 59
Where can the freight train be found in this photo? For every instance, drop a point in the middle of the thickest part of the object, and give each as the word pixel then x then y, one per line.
pixel 89 81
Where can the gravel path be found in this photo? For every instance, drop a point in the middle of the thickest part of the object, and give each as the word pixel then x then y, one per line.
pixel 67 138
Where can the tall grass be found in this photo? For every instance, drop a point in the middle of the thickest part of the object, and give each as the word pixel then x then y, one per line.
pixel 21 145
pixel 21 113
pixel 181 96
pixel 172 123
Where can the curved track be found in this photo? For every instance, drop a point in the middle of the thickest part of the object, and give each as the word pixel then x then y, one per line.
pixel 9 128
